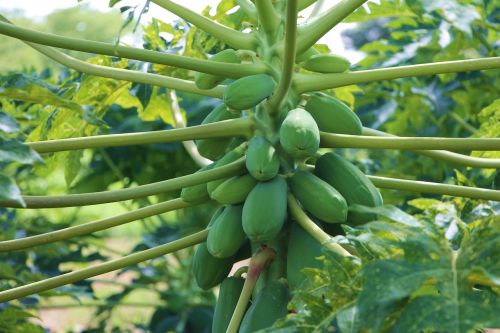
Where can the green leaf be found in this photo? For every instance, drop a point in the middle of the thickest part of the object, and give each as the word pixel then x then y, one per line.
pixel 7 123
pixel 12 150
pixel 391 212
pixel 9 190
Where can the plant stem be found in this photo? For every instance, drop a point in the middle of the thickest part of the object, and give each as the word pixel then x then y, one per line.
pixel 312 32
pixel 226 128
pixel 435 188
pixel 444 155
pixel 330 140
pixel 258 263
pixel 233 38
pixel 312 82
pixel 303 4
pixel 101 304
pixel 105 267
pixel 91 227
pixel 305 222
pixel 95 198
pixel 289 56
pixel 268 17
pixel 248 7
pixel 200 65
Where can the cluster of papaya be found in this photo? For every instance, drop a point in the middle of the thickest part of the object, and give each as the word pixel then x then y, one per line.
pixel 254 205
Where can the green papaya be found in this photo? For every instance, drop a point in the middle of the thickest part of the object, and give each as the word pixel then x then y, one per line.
pixel 299 134
pixel 208 270
pixel 269 305
pixel 354 186
pixel 327 63
pixel 226 234
pixel 209 81
pixel 333 116
pixel 229 157
pixel 302 252
pixel 215 148
pixel 306 55
pixel 233 190
pixel 264 211
pixel 247 92
pixel 197 193
pixel 229 293
pixel 318 197
pixel 244 252
pixel 262 159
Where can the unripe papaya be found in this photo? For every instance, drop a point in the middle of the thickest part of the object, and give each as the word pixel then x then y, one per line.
pixel 209 81
pixel 197 193
pixel 269 305
pixel 354 186
pixel 229 157
pixel 233 190
pixel 226 234
pixel 262 159
pixel 333 116
pixel 208 270
pixel 318 197
pixel 215 148
pixel 299 134
pixel 229 293
pixel 264 211
pixel 306 55
pixel 302 252
pixel 247 92
pixel 327 63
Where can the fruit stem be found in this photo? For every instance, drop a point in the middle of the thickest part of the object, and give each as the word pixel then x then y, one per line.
pixel 248 7
pixel 258 263
pixel 316 232
pixel 105 267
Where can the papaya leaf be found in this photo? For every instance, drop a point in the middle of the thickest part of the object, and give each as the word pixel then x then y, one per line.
pixel 9 190
pixel 12 150
pixel 7 123
pixel 389 211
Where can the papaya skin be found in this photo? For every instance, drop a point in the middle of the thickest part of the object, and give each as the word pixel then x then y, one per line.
pixel 299 134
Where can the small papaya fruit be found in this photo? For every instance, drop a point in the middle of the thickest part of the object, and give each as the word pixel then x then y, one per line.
pixel 354 186
pixel 226 234
pixel 233 190
pixel 299 134
pixel 269 305
pixel 318 197
pixel 327 63
pixel 262 160
pixel 248 91
pixel 209 81
pixel 229 157
pixel 229 293
pixel 208 270
pixel 197 193
pixel 215 148
pixel 264 210
pixel 333 116
pixel 306 55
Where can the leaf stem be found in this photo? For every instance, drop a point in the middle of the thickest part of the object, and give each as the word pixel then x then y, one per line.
pixel 289 56
pixel 444 155
pixel 258 263
pixel 105 267
pixel 200 65
pixel 435 188
pixel 305 222
pixel 248 7
pixel 310 33
pixel 95 198
pixel 313 82
pixel 226 128
pixel 268 17
pixel 91 227
pixel 233 38
pixel 330 140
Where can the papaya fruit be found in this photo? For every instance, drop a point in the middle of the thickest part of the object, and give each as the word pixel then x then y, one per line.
pixel 269 305
pixel 333 116
pixel 262 160
pixel 229 293
pixel 208 270
pixel 233 190
pixel 354 186
pixel 229 157
pixel 302 252
pixel 299 134
pixel 327 63
pixel 215 148
pixel 247 92
pixel 197 193
pixel 226 234
pixel 306 55
pixel 209 81
pixel 318 197
pixel 264 210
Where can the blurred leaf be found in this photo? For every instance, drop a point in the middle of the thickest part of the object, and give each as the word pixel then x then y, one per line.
pixel 7 123
pixel 9 190
pixel 12 150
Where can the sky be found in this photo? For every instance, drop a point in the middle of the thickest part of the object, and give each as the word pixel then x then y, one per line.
pixel 37 9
